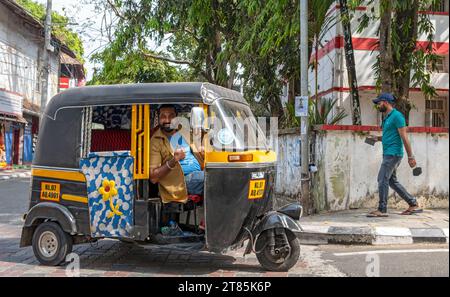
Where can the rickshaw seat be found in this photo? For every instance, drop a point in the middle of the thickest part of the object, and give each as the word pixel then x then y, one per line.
pixel 195 198
pixel 177 207
pixel 110 140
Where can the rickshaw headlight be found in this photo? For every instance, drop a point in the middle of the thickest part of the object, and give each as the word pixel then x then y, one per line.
pixel 240 158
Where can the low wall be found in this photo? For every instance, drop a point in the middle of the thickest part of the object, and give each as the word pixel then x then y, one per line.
pixel 348 168
pixel 287 185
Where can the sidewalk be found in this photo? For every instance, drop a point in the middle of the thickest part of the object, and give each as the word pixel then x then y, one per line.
pixel 353 227
pixel 14 173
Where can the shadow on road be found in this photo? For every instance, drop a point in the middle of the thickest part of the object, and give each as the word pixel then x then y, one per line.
pixel 112 257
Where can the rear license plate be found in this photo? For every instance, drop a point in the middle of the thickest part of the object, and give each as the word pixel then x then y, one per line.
pixel 256 189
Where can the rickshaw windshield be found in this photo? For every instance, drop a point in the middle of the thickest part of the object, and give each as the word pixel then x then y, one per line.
pixel 235 128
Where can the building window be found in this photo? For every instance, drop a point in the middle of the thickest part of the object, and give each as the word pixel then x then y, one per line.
pixel 435 112
pixel 441 65
pixel 439 6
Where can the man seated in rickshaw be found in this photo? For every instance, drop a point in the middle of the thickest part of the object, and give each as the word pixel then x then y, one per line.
pixel 174 163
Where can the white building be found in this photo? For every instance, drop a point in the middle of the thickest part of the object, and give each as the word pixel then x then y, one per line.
pixel 21 49
pixel 332 79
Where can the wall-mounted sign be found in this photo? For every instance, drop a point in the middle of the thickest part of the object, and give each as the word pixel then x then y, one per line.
pixel 301 106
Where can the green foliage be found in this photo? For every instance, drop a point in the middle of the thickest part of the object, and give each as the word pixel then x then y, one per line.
pixel 318 114
pixel 223 42
pixel 60 26
pixel 324 113
pixel 270 41
pixel 132 68
pixel 405 61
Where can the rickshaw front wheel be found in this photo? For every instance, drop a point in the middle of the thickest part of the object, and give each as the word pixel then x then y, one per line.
pixel 278 257
pixel 51 244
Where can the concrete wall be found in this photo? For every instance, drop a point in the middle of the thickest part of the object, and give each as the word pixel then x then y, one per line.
pixel 287 185
pixel 348 169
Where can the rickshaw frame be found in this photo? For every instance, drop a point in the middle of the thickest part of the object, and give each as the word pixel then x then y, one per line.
pixel 62 165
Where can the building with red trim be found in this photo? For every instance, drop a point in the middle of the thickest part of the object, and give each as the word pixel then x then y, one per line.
pixel 332 82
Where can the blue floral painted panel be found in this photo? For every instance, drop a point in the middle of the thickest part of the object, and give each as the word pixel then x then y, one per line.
pixel 109 177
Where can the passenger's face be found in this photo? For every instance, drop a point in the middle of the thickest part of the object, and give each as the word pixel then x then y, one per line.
pixel 166 115
pixel 382 106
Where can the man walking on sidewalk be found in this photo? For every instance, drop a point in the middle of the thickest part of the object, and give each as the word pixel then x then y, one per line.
pixel 393 139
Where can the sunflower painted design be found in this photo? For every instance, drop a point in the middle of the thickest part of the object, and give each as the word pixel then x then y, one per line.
pixel 108 191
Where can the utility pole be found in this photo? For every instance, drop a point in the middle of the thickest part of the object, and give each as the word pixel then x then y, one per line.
pixel 304 92
pixel 45 56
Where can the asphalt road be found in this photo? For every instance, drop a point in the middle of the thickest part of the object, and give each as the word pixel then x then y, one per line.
pixel 14 197
pixel 420 260
pixel 326 260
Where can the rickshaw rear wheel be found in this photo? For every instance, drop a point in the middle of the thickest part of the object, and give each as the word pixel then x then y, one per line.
pixel 51 244
pixel 279 261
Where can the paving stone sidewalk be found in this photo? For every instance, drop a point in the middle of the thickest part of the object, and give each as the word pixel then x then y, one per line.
pixel 116 259
pixel 354 227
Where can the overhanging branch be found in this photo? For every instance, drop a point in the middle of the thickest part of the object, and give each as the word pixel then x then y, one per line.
pixel 181 62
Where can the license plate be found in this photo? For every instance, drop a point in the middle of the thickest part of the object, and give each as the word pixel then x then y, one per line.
pixel 256 189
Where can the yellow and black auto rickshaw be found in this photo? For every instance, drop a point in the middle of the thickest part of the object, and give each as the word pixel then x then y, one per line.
pixel 90 176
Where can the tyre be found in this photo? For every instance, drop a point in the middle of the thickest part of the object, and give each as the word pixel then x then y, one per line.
pixel 51 244
pixel 281 262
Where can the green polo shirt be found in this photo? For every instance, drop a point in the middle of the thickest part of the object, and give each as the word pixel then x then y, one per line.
pixel 392 142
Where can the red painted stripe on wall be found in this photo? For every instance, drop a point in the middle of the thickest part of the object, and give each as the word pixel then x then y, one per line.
pixel 433 12
pixel 377 128
pixel 363 8
pixel 371 44
pixel 363 88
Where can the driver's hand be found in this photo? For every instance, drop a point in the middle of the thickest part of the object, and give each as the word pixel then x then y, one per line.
pixel 179 154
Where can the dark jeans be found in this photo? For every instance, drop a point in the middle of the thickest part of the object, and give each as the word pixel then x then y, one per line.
pixel 194 182
pixel 387 177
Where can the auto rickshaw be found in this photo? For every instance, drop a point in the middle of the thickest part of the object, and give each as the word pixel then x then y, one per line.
pixel 90 176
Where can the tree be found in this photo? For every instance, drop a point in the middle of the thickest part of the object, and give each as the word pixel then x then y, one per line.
pixel 350 62
pixel 270 49
pixel 201 34
pixel 399 56
pixel 60 27
pixel 132 68
pixel 253 44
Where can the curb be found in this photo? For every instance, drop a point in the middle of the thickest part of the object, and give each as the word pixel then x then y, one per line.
pixel 364 235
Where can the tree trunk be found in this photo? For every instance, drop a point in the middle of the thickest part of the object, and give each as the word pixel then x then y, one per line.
pixel 350 62
pixel 406 23
pixel 385 56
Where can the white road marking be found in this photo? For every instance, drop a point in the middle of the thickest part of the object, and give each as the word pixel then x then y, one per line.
pixel 392 252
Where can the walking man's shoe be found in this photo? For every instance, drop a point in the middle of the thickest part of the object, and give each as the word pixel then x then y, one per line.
pixel 412 209
pixel 377 214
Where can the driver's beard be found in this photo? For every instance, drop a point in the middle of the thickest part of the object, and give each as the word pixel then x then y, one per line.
pixel 167 129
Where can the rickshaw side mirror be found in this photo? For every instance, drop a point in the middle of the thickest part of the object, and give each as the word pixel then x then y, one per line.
pixel 197 118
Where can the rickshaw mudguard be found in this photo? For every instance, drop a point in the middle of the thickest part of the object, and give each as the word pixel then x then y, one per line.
pixel 47 211
pixel 271 220
pixel 276 219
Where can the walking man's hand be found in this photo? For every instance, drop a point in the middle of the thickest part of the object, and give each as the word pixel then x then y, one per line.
pixel 412 162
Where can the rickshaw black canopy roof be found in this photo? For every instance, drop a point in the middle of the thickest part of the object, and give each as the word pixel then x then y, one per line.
pixel 186 92
pixel 60 130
